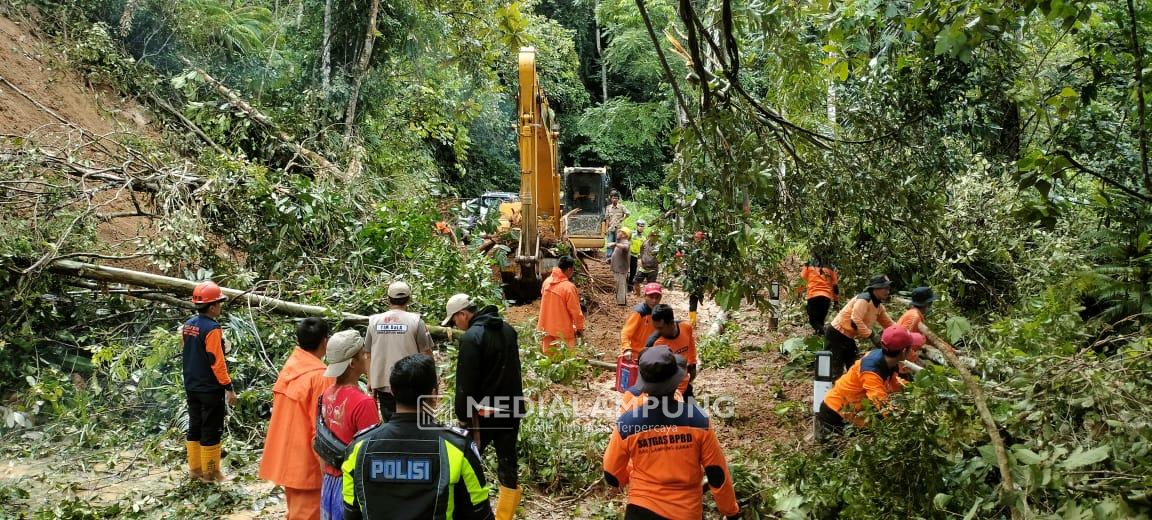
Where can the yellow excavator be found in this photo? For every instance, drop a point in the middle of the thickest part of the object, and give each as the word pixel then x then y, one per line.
pixel 537 222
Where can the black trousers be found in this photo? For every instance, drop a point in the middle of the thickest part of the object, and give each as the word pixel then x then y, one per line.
pixel 386 402
pixel 632 261
pixel 206 411
pixel 507 459
pixel 635 512
pixel 843 350
pixel 818 311
pixel 694 301
pixel 828 423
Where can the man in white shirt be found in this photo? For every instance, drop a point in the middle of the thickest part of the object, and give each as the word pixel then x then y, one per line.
pixel 392 336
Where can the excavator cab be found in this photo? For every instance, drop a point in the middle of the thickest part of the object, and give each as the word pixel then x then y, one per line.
pixel 586 190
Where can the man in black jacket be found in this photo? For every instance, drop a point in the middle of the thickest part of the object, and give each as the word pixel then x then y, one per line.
pixel 489 389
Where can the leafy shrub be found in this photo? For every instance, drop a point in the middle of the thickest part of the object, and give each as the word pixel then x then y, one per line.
pixel 1076 431
pixel 719 351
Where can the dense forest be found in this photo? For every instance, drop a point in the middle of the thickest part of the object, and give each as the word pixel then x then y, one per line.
pixel 303 152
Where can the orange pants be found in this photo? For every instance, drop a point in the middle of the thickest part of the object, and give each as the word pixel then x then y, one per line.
pixel 303 504
pixel 547 345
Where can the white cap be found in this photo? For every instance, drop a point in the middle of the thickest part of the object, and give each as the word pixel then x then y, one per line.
pixel 399 289
pixel 456 303
pixel 640 222
pixel 342 347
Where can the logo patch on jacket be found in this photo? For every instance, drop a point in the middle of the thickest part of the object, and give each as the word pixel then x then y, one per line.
pixel 400 468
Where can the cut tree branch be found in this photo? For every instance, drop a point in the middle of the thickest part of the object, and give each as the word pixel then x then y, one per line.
pixel 187 123
pixel 237 102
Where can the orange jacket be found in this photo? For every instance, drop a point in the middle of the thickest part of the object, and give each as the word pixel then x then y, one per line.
pixel 288 457
pixel 560 313
pixel 684 344
pixel 661 451
pixel 632 397
pixel 911 320
pixel 637 328
pixel 821 281
pixel 855 320
pixel 870 377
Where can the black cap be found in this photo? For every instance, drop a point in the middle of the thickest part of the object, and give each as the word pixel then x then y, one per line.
pixel 923 297
pixel 880 281
pixel 661 371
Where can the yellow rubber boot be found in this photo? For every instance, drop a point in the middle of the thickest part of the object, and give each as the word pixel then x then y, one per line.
pixel 195 460
pixel 692 318
pixel 210 455
pixel 507 501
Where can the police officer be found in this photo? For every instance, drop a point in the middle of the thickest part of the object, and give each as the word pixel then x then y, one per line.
pixel 409 469
pixel 391 336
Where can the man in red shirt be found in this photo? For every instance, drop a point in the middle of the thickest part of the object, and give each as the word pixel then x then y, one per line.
pixel 346 408
pixel 678 336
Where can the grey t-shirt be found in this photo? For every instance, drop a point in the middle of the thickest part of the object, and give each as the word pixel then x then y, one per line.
pixel 620 256
pixel 391 337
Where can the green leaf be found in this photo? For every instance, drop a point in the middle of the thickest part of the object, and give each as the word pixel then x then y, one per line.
pixel 956 328
pixel 1085 458
pixel 941 500
pixel 792 346
pixel 1027 456
pixel 840 70
pixel 972 511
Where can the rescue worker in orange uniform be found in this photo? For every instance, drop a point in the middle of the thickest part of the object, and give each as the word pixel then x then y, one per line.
pixel 855 321
pixel 662 449
pixel 678 336
pixel 823 288
pixel 288 457
pixel 913 319
pixel 207 386
pixel 560 316
pixel 873 377
pixel 638 327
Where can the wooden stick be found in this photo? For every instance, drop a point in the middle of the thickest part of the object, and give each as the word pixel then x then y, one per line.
pixel 985 416
pixel 187 123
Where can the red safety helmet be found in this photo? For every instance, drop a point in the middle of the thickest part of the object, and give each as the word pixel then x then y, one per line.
pixel 207 292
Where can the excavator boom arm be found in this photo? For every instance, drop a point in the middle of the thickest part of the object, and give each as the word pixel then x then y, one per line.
pixel 538 138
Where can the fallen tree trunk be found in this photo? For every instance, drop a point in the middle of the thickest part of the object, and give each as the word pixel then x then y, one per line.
pixel 180 286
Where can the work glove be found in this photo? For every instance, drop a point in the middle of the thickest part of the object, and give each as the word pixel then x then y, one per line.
pixel 875 339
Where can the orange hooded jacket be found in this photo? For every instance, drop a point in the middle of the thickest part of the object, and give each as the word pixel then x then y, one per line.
pixel 560 313
pixel 288 458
